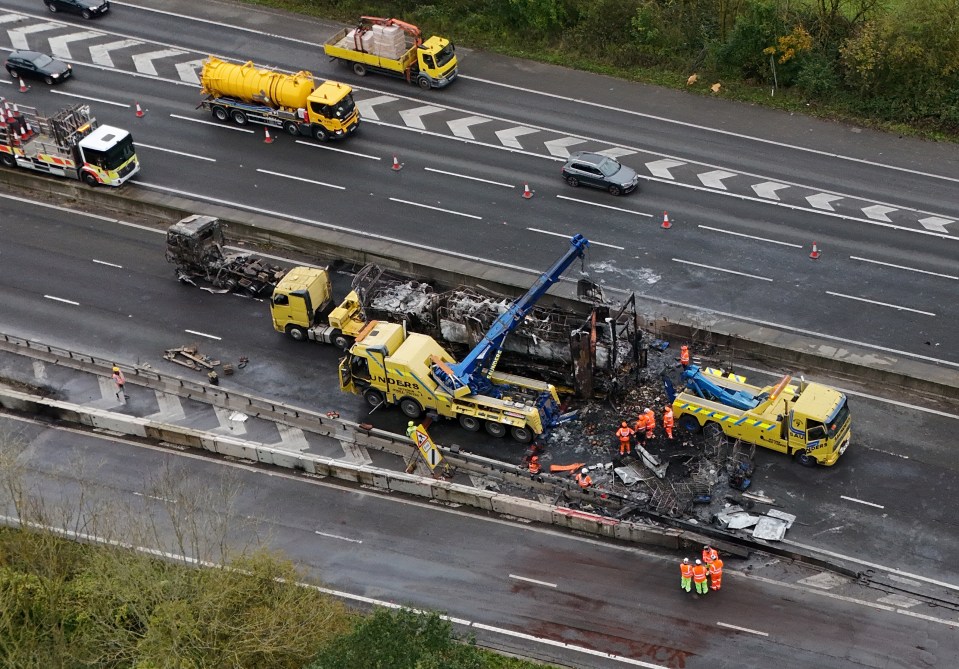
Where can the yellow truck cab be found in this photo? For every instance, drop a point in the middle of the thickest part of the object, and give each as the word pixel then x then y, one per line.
pixel 300 301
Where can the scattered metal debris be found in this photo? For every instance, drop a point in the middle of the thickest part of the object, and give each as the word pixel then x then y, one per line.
pixel 189 356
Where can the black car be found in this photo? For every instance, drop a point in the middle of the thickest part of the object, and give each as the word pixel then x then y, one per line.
pixel 38 66
pixel 599 171
pixel 85 8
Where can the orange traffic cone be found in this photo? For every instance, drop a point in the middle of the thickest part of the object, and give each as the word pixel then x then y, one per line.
pixel 815 251
pixel 527 193
pixel 397 165
pixel 266 136
pixel 666 224
pixel 139 111
pixel 23 86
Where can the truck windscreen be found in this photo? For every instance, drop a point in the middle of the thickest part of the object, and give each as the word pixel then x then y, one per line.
pixel 445 55
pixel 111 158
pixel 839 420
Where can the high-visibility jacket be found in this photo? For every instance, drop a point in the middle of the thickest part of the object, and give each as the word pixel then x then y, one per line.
pixel 668 418
pixel 624 434
pixel 650 421
pixel 640 425
pixel 716 569
pixel 534 465
pixel 710 555
pixel 686 569
pixel 684 355
pixel 583 480
pixel 699 573
pixel 118 378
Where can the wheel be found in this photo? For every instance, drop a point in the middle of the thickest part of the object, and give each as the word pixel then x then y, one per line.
pixel 806 460
pixel 8 160
pixel 373 397
pixel 239 117
pixel 48 81
pixel 411 408
pixel 296 332
pixel 86 14
pixel 359 69
pixel 495 429
pixel 470 423
pixel 13 73
pixel 572 181
pixel 523 435
pixel 90 180
pixel 320 134
pixel 615 190
pixel 342 341
pixel 689 423
pixel 424 83
pixel 52 7
pixel 712 430
pixel 291 128
pixel 221 114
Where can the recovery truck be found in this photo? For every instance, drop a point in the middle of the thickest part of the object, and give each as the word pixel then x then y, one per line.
pixel 195 247
pixel 394 48
pixel 810 421
pixel 388 366
pixel 294 102
pixel 68 144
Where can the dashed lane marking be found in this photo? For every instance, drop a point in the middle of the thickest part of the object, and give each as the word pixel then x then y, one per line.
pixel 204 334
pixel 881 304
pixel 721 269
pixel 533 580
pixel 742 629
pixel 862 501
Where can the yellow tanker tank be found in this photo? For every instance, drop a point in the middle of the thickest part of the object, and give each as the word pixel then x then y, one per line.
pixel 252 84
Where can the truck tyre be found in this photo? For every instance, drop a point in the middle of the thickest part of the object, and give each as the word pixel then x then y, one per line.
pixel 615 190
pixel 359 69
pixel 239 117
pixel 411 408
pixel 470 423
pixel 90 180
pixel 424 83
pixel 320 134
pixel 373 397
pixel 494 429
pixel 8 160
pixel 523 435
pixel 342 341
pixel 689 423
pixel 291 128
pixel 221 114
pixel 806 460
pixel 572 181
pixel 296 332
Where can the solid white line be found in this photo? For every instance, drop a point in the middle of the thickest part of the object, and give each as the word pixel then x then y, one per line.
pixel 311 181
pixel 179 153
pixel 860 501
pixel 740 234
pixel 213 123
pixel 108 264
pixel 86 97
pixel 203 334
pixel 464 176
pixel 336 536
pixel 722 269
pixel 742 629
pixel 161 499
pixel 60 299
pixel 57 207
pixel 533 580
pixel 327 147
pixel 565 236
pixel 911 269
pixel 445 211
pixel 604 206
pixel 881 304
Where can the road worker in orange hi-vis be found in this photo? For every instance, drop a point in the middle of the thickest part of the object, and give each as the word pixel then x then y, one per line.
pixel 639 428
pixel 686 571
pixel 625 436
pixel 534 465
pixel 709 554
pixel 650 423
pixel 668 421
pixel 684 355
pixel 583 479
pixel 716 574
pixel 699 578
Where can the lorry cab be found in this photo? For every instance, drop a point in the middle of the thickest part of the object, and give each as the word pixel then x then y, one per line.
pixel 108 156
pixel 299 300
pixel 818 425
pixel 331 106
pixel 436 59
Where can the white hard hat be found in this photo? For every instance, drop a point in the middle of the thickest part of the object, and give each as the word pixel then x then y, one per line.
pixel 585 471
pixel 686 560
pixel 699 561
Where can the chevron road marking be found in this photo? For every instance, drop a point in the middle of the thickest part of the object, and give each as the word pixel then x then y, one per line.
pixel 231 420
pixel 878 212
pixel 461 127
pixel 414 117
pixel 660 168
pixel 616 152
pixel 558 147
pixel 935 224
pixel 509 136
pixel 292 438
pixel 822 200
pixel 170 408
pixel 714 179
pixel 767 189
pixel 366 106
pixel 187 71
pixel 143 62
pixel 11 18
pixel 356 453
pixel 58 45
pixel 18 36
pixel 100 54
pixel 39 370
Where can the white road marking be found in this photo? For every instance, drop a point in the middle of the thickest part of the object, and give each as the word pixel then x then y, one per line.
pixel 87 97
pixel 179 153
pixel 327 147
pixel 465 176
pixel 290 176
pixel 461 127
pixel 722 269
pixel 58 45
pixel 565 236
pixel 100 53
pixel 879 211
pixel 768 189
pixel 108 264
pixel 741 629
pixel 186 70
pixel 881 304
pixel 660 168
pixel 616 152
pixel 213 123
pixel 822 201
pixel 741 234
pixel 143 62
pixel 715 178
pixel 445 211
pixel 935 223
pixel 604 206
pixel 18 36
pixel 336 536
pixel 414 117
pixel 533 580
pixel 560 147
pixel 911 269
pixel 60 299
pixel 366 106
pixel 203 334
pixel 508 137
pixel 160 499
pixel 860 501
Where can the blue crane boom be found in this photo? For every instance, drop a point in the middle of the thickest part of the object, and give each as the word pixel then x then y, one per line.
pixel 470 374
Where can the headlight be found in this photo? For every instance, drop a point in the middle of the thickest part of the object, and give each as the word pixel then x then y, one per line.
pixel 55 76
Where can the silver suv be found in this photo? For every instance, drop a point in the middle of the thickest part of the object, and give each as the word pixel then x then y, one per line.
pixel 599 171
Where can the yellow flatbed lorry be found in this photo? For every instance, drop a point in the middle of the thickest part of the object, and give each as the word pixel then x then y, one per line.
pixel 394 48
pixel 810 422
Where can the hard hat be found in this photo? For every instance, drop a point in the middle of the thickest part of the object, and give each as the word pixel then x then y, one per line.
pixel 116 369
pixel 706 547
pixel 685 560
pixel 410 424
pixel 699 561
pixel 585 471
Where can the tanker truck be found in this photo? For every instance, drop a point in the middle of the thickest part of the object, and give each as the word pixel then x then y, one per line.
pixel 248 94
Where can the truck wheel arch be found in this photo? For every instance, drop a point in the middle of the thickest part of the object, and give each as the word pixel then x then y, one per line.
pixel 90 179
pixel 470 423
pixel 374 397
pixel 411 407
pixel 8 160
pixel 805 459
pixel 320 133
pixel 523 434
pixel 689 423
pixel 296 332
pixel 291 128
pixel 495 429
pixel 220 113
pixel 359 69
pixel 424 82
